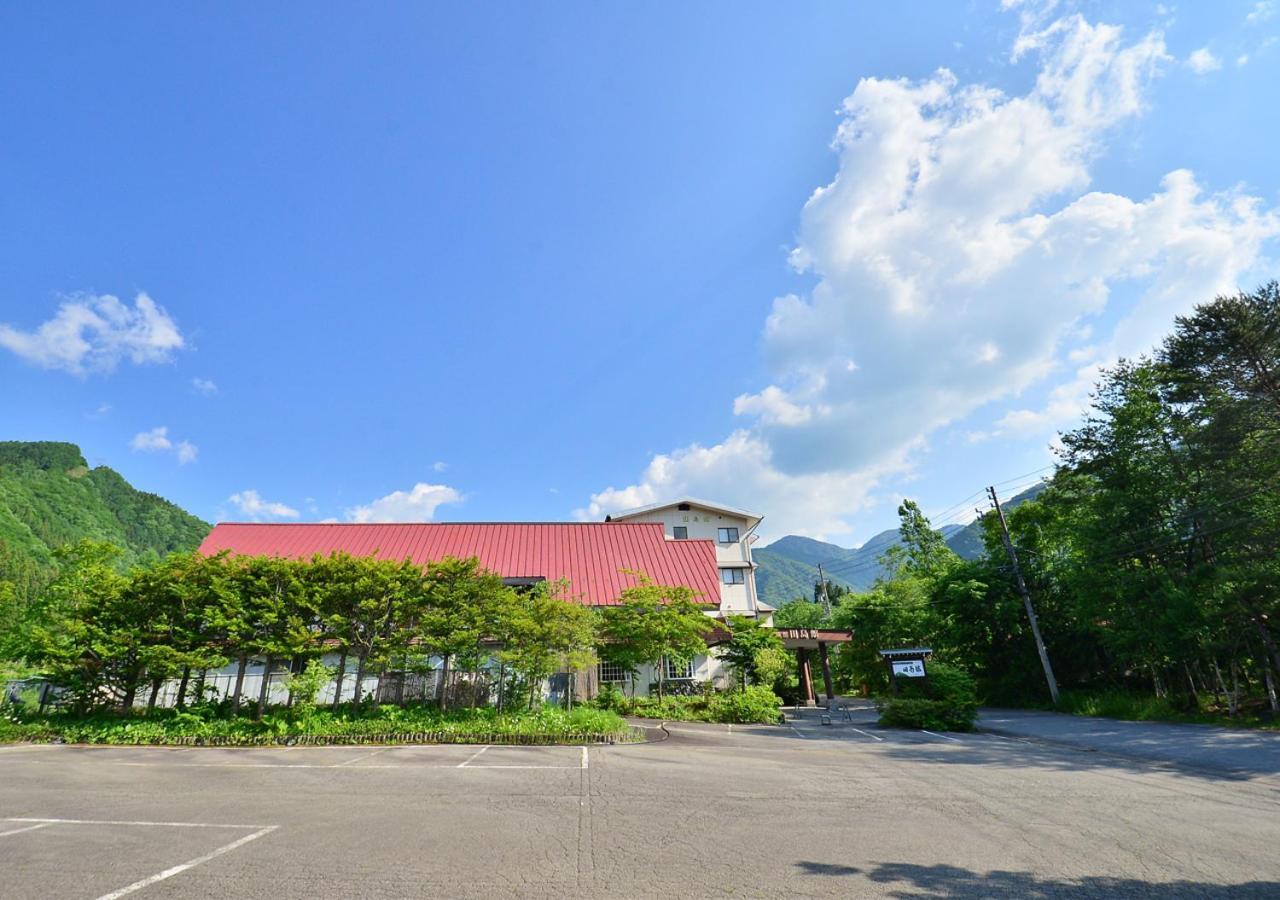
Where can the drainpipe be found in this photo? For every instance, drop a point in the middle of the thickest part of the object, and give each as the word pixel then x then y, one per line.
pixel 746 543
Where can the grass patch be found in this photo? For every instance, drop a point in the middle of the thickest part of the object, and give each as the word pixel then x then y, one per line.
pixel 377 725
pixel 1136 707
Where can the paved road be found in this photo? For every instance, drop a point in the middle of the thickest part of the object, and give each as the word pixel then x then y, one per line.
pixel 1236 751
pixel 712 811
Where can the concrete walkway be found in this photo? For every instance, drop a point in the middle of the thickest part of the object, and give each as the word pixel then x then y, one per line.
pixel 1238 752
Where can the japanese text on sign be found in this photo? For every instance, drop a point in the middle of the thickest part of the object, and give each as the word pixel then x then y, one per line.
pixel 909 668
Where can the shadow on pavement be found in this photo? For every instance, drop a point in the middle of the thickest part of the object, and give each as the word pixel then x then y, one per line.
pixel 953 881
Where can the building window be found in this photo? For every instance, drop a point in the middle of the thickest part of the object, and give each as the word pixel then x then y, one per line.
pixel 727 535
pixel 611 673
pixel 733 576
pixel 678 671
pixel 680 532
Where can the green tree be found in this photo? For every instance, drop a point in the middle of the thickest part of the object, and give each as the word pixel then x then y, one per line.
pixel 654 623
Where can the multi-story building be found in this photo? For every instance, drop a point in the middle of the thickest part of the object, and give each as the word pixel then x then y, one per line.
pixel 732 530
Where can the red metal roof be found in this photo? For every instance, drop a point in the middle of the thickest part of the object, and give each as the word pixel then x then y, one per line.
pixel 590 555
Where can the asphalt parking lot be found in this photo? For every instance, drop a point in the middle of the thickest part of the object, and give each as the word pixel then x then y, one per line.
pixel 802 810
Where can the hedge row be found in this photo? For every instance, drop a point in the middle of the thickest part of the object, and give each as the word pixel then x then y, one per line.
pixel 406 737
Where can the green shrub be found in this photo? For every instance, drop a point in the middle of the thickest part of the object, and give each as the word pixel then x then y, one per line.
pixel 947 701
pixel 753 704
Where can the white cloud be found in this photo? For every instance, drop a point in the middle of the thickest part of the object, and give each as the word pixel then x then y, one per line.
pixel 100 412
pixel 255 509
pixel 439 466
pixel 154 440
pixel 94 333
pixel 157 440
pixel 204 386
pixel 1203 61
pixel 416 505
pixel 1262 10
pixel 959 223
pixel 1242 60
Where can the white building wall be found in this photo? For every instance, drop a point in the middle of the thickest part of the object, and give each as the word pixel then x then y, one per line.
pixel 704 523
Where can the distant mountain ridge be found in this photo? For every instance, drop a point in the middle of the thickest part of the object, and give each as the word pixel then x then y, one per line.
pixel 49 497
pixel 788 567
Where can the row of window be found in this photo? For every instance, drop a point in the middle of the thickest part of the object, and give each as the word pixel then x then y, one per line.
pixel 723 535
pixel 676 671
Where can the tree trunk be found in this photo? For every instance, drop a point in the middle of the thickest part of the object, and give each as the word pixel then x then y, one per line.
pixel 293 668
pixel 1195 695
pixel 442 689
pixel 265 688
pixel 662 670
pixel 132 690
pixel 1221 690
pixel 1271 686
pixel 360 660
pixel 1234 702
pixel 182 687
pixel 239 688
pixel 502 683
pixel 342 671
pixel 1268 642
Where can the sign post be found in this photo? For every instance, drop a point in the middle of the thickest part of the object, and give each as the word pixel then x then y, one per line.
pixel 908 663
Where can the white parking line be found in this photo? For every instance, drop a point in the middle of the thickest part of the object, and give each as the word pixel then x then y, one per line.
pixel 868 734
pixel 129 822
pixel 191 863
pixel 943 736
pixel 584 756
pixel 463 764
pixel 28 828
pixel 358 758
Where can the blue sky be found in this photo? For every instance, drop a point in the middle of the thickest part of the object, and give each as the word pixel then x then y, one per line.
pixel 533 262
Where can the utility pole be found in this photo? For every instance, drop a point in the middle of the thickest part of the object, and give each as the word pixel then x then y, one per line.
pixel 826 602
pixel 1026 597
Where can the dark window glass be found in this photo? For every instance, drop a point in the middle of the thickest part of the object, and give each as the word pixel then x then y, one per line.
pixel 680 532
pixel 728 535
pixel 733 576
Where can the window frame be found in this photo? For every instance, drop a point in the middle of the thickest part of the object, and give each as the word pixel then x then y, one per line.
pixel 600 673
pixel 721 535
pixel 733 575
pixel 669 670
pixel 675 532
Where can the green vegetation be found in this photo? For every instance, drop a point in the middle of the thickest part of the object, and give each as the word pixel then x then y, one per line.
pixel 744 705
pixel 49 497
pixel 1151 553
pixel 947 701
pixel 349 725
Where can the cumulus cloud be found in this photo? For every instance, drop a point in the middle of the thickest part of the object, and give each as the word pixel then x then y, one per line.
pixel 95 333
pixel 204 386
pixel 958 254
pixel 254 508
pixel 1203 61
pixel 157 440
pixel 1262 10
pixel 416 505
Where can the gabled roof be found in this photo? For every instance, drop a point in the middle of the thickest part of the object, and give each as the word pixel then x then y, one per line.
pixel 590 555
pixel 754 518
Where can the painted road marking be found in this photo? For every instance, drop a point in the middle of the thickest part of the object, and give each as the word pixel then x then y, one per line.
pixel 943 736
pixel 868 734
pixel 463 764
pixel 27 828
pixel 189 864
pixel 584 756
pixel 358 758
pixel 129 822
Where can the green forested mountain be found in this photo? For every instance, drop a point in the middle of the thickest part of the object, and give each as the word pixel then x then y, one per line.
pixel 49 496
pixel 788 568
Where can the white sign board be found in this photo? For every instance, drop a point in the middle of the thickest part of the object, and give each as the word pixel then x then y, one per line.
pixel 908 668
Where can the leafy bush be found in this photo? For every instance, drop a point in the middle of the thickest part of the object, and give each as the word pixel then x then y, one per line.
pixel 947 701
pixel 755 703
pixel 385 724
